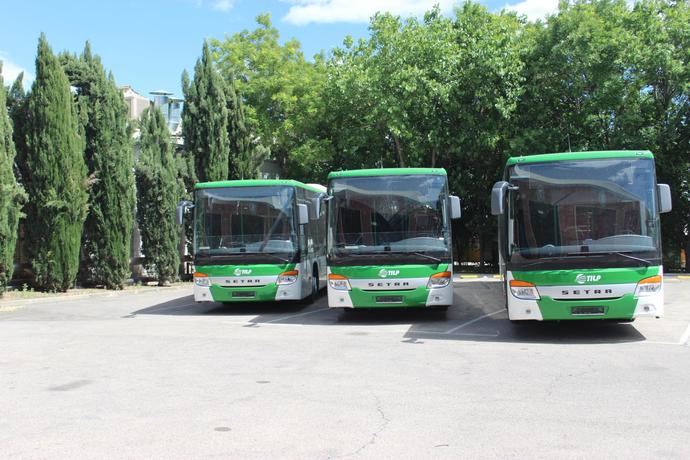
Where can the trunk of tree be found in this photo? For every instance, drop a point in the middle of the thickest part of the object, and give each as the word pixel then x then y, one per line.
pixel 399 152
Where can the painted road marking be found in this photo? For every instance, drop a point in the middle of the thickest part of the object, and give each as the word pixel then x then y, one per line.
pixel 8 309
pixel 457 328
pixel 293 316
pixel 685 337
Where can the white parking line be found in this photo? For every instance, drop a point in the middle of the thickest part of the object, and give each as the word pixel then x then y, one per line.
pixel 685 337
pixel 293 316
pixel 464 334
pixel 457 328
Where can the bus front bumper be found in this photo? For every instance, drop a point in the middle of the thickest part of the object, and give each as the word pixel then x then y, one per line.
pixel 418 297
pixel 267 293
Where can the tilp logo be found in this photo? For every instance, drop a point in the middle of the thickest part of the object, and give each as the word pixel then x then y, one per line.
pixel 383 273
pixel 582 278
pixel 242 271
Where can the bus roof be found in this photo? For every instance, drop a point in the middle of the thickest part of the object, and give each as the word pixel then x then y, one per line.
pixel 257 183
pixel 598 155
pixel 387 172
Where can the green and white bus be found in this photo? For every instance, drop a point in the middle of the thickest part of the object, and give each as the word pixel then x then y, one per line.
pixel 579 235
pixel 389 238
pixel 258 240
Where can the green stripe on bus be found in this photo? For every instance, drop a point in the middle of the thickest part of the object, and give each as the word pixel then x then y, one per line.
pixel 231 271
pixel 256 183
pixel 387 172
pixel 567 156
pixel 588 277
pixel 391 271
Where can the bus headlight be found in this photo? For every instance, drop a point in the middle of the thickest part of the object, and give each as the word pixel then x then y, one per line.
pixel 201 279
pixel 288 277
pixel 338 282
pixel 524 290
pixel 648 286
pixel 439 280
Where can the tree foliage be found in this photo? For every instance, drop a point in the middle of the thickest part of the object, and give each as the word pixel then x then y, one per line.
pixel 600 75
pixel 157 195
pixel 109 158
pixel 276 82
pixel 11 193
pixel 54 175
pixel 205 119
pixel 246 156
pixel 465 92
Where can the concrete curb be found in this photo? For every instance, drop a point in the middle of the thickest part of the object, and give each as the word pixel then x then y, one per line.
pixel 68 297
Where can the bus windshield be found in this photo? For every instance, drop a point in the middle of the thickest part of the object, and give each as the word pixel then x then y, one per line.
pixel 386 215
pixel 584 208
pixel 241 222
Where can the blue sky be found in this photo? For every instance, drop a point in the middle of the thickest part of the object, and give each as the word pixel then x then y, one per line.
pixel 147 43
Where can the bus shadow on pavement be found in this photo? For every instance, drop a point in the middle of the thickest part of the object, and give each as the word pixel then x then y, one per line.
pixel 186 306
pixel 491 324
pixel 477 315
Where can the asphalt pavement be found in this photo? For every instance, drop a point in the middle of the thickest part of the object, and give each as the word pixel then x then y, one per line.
pixel 153 374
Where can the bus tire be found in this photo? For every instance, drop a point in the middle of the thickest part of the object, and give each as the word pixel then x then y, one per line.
pixel 314 284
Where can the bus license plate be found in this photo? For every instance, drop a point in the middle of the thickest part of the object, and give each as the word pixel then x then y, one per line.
pixel 389 299
pixel 587 310
pixel 243 294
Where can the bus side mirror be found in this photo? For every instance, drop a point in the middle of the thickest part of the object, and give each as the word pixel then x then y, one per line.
pixel 303 214
pixel 182 206
pixel 664 197
pixel 498 195
pixel 455 210
pixel 315 208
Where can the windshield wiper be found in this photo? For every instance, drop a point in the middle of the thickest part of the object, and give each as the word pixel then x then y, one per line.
pixel 282 259
pixel 415 253
pixel 231 255
pixel 646 263
pixel 540 260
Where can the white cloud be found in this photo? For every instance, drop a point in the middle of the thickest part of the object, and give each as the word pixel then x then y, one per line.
pixel 10 71
pixel 328 11
pixel 222 5
pixel 534 9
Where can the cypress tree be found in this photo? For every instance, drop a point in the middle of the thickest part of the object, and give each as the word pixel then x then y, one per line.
pixel 245 159
pixel 157 195
pixel 16 106
pixel 205 119
pixel 110 161
pixel 54 174
pixel 11 193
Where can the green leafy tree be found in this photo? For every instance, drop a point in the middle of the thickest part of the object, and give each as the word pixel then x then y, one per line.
pixel 16 107
pixel 157 195
pixel 11 193
pixel 109 157
pixel 276 82
pixel 661 62
pixel 600 75
pixel 436 92
pixel 205 119
pixel 246 156
pixel 54 175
